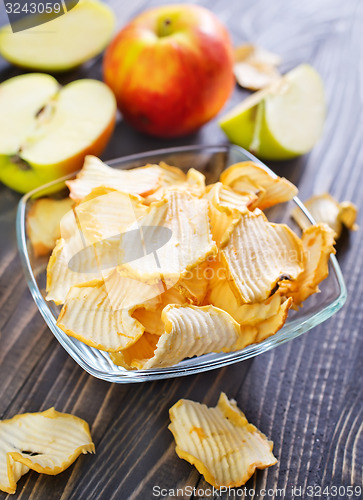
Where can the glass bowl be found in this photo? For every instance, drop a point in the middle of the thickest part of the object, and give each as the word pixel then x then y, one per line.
pixel 210 160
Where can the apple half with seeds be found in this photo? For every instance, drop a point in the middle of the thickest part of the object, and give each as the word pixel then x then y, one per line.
pixel 46 130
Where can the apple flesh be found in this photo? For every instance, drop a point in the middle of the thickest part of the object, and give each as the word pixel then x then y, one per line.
pixel 171 69
pixel 46 131
pixel 282 121
pixel 62 43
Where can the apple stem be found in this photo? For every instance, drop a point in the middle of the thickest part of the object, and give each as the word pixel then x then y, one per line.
pixel 164 27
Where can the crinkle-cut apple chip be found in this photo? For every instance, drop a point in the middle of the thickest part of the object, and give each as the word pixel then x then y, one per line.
pixel 191 331
pixel 225 208
pixel 47 442
pixel 325 208
pixel 91 242
pixel 43 223
pixel 258 256
pixel 99 313
pixel 193 182
pixel 184 220
pixel 318 243
pixel 248 177
pixel 219 441
pixel 139 181
pixel 255 68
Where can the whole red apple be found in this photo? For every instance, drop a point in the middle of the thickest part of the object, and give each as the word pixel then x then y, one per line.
pixel 171 69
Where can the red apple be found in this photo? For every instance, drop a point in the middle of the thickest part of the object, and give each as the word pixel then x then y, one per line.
pixel 171 69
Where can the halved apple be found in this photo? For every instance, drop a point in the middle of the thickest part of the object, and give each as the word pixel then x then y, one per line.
pixel 283 120
pixel 62 43
pixel 46 130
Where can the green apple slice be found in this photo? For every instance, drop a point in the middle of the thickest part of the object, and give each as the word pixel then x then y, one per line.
pixel 46 130
pixel 62 43
pixel 282 121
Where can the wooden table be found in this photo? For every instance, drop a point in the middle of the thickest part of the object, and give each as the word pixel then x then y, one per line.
pixel 306 395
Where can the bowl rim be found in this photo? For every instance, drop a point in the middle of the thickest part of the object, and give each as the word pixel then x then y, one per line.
pixel 297 327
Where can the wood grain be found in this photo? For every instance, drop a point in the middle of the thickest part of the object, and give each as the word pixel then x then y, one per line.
pixel 306 395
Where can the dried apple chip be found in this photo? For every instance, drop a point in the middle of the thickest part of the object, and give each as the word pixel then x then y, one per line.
pixel 47 442
pixel 325 208
pixel 60 274
pixel 247 177
pixel 222 295
pixel 318 243
pixel 193 331
pixel 348 215
pixel 225 208
pixel 193 182
pixel 189 331
pixel 259 255
pixel 189 290
pixel 139 181
pixel 194 284
pixel 99 313
pixel 274 323
pixel 91 240
pixel 258 320
pixel 137 354
pixel 43 223
pixel 255 68
pixel 106 212
pixel 219 441
pixel 149 314
pixel 254 332
pixel 185 218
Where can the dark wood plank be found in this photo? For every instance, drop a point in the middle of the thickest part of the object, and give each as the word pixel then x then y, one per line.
pixel 306 395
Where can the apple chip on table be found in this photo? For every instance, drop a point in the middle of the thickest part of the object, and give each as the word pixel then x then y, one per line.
pixel 47 442
pixel 219 441
pixel 325 208
pixel 255 68
pixel 153 266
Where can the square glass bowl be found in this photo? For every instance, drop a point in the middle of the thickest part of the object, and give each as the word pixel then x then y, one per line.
pixel 210 160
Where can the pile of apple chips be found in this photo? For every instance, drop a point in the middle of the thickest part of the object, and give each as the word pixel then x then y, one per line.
pixel 153 266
